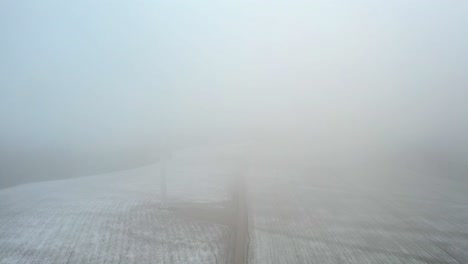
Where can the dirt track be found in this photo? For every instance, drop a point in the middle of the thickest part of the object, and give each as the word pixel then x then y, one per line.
pixel 241 225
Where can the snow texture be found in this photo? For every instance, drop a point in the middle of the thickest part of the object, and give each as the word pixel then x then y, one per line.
pixel 308 217
pixel 116 217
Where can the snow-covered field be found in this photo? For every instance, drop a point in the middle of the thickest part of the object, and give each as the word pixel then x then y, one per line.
pixel 116 217
pixel 308 217
pixel 294 216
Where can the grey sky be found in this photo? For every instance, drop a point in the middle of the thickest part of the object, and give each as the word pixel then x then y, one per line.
pixel 96 74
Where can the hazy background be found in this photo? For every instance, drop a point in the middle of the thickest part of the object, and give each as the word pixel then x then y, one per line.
pixel 91 86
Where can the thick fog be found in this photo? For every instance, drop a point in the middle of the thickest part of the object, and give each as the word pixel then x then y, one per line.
pixel 92 86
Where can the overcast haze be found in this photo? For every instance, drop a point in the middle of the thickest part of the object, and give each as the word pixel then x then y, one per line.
pixel 96 85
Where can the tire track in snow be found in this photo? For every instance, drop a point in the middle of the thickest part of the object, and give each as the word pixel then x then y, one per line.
pixel 241 225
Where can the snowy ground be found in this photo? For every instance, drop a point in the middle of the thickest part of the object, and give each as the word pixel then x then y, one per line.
pixel 116 217
pixel 294 216
pixel 309 217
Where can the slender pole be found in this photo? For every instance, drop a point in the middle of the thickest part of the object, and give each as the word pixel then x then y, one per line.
pixel 164 160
